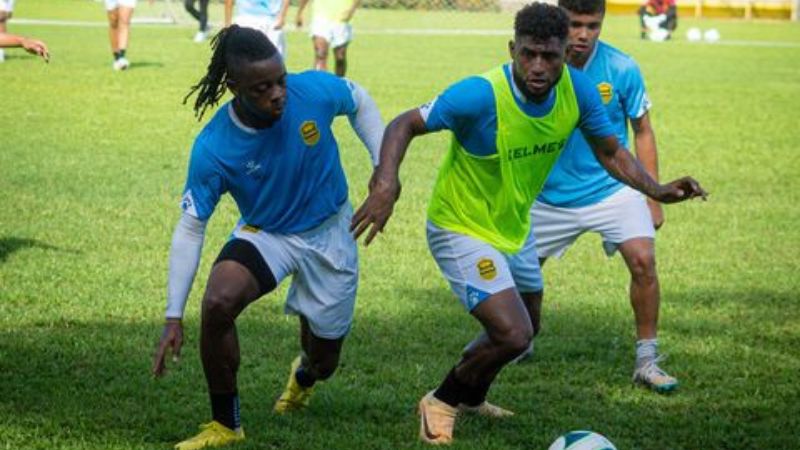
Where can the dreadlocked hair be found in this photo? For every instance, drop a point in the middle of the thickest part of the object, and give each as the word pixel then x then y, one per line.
pixel 231 47
pixel 541 22
pixel 583 6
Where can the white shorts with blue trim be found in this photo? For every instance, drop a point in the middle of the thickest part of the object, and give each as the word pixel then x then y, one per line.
pixel 323 263
pixel 266 25
pixel 620 217
pixel 476 270
pixel 336 33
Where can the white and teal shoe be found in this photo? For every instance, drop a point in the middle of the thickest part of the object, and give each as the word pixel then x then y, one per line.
pixel 653 377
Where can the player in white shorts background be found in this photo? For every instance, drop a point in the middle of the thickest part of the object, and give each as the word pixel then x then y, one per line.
pixel 330 29
pixel 580 196
pixel 266 16
pixel 119 13
pixel 272 148
pixel 6 10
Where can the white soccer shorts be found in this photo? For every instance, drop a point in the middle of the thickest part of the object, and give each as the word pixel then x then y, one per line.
pixel 323 263
pixel 476 270
pixel 619 218
pixel 114 4
pixel 265 25
pixel 7 6
pixel 337 34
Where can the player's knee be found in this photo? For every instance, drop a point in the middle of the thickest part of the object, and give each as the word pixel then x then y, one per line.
pixel 643 267
pixel 219 309
pixel 516 341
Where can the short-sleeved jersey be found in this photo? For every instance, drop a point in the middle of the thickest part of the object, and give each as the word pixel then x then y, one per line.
pixel 286 178
pixel 331 10
pixel 578 179
pixel 467 108
pixel 258 8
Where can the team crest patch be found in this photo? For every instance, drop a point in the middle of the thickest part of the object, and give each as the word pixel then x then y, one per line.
pixel 486 269
pixel 606 92
pixel 309 132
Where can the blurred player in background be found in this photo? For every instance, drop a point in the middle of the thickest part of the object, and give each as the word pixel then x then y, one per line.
pixel 658 19
pixel 580 196
pixel 508 128
pixel 267 16
pixel 120 13
pixel 330 28
pixel 273 150
pixel 6 10
pixel 200 15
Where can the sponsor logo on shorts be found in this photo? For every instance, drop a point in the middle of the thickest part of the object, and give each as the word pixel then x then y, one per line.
pixel 309 132
pixel 606 92
pixel 251 229
pixel 486 269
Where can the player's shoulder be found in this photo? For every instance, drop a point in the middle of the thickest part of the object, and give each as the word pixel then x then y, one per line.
pixel 313 80
pixel 616 58
pixel 474 92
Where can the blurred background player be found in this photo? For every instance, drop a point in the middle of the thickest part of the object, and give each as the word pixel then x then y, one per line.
pixel 330 28
pixel 31 46
pixel 267 16
pixel 508 128
pixel 579 196
pixel 273 150
pixel 201 15
pixel 120 13
pixel 658 19
pixel 6 10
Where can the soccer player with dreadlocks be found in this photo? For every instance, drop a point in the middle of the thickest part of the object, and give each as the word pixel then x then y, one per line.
pixel 508 126
pixel 273 150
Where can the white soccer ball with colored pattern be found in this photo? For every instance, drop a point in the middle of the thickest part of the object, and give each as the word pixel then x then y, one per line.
pixel 582 440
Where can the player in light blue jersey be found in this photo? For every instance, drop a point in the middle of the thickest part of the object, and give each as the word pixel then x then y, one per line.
pixel 580 196
pixel 266 16
pixel 508 128
pixel 273 150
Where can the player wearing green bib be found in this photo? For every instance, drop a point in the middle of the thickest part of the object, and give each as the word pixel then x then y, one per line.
pixel 509 127
pixel 330 28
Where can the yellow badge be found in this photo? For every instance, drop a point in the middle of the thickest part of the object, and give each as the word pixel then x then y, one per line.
pixel 250 228
pixel 606 92
pixel 309 132
pixel 486 269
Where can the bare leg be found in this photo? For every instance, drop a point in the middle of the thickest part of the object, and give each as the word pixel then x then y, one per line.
pixel 320 53
pixel 113 29
pixel 340 56
pixel 124 26
pixel 645 297
pixel 321 355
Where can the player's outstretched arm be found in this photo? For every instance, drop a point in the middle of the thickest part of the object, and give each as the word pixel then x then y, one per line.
pixel 623 166
pixel 32 46
pixel 184 257
pixel 298 19
pixel 228 13
pixel 384 186
pixel 280 21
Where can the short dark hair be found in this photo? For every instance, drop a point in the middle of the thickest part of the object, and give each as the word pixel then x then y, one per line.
pixel 583 6
pixel 541 22
pixel 231 47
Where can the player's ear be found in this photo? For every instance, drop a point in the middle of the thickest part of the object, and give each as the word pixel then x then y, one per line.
pixel 511 48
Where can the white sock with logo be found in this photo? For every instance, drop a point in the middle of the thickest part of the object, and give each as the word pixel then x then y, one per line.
pixel 646 351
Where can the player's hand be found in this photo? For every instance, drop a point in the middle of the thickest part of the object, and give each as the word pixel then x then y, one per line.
pixel 171 338
pixel 679 190
pixel 279 23
pixel 377 208
pixel 35 47
pixel 656 213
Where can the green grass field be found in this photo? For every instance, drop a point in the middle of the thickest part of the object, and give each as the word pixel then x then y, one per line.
pixel 92 164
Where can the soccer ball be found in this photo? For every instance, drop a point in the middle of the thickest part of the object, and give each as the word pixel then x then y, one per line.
pixel 582 440
pixel 694 34
pixel 711 35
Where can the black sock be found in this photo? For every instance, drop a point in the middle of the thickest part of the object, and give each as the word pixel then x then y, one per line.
pixel 304 378
pixel 117 56
pixel 452 391
pixel 121 53
pixel 225 409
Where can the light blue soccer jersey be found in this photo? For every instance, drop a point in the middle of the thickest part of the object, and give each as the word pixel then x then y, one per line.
pixel 258 8
pixel 467 108
pixel 578 179
pixel 287 178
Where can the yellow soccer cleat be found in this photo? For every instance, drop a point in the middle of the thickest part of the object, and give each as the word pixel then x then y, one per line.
pixel 212 434
pixel 436 420
pixel 486 409
pixel 294 397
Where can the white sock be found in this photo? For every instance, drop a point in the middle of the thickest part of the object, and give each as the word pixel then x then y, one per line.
pixel 646 351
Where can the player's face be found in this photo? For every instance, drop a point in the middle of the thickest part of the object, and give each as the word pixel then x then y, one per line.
pixel 584 30
pixel 537 65
pixel 261 87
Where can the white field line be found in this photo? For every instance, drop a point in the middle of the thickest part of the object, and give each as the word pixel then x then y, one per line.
pixel 389 31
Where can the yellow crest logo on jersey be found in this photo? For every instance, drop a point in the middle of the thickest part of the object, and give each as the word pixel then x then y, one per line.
pixel 606 92
pixel 309 132
pixel 486 269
